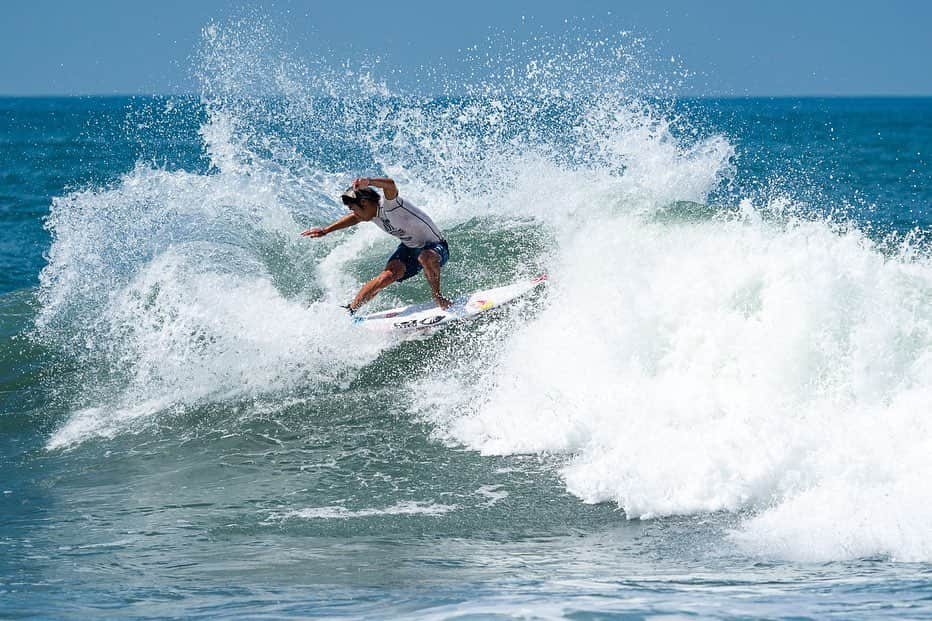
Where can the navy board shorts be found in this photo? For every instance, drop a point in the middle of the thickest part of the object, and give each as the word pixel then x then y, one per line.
pixel 409 256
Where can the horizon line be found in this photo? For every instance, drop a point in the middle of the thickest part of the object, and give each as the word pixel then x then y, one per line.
pixel 681 95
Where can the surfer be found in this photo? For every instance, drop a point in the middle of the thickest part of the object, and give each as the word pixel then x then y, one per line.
pixel 422 244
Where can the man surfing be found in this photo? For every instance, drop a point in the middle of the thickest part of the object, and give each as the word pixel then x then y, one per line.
pixel 422 244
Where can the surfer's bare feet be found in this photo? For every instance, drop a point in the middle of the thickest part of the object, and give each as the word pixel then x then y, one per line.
pixel 442 302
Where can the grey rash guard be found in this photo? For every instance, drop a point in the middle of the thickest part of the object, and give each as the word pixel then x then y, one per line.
pixel 399 217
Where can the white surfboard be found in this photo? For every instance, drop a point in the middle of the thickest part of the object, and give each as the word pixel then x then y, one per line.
pixel 427 315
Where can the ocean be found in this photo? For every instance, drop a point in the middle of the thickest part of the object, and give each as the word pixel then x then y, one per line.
pixel 720 407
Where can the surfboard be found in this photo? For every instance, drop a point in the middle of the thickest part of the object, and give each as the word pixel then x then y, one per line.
pixel 427 315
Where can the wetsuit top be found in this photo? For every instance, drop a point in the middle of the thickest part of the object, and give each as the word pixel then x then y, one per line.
pixel 405 221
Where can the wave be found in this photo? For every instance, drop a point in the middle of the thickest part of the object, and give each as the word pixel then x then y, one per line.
pixel 685 359
pixel 729 365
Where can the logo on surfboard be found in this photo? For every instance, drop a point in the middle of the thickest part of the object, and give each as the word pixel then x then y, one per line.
pixel 420 323
pixel 482 304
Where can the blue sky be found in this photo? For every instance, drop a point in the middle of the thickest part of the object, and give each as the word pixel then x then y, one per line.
pixel 732 48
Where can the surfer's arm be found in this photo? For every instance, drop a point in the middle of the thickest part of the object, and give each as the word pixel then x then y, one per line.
pixel 385 184
pixel 346 221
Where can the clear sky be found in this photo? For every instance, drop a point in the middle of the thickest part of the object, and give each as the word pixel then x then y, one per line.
pixel 746 47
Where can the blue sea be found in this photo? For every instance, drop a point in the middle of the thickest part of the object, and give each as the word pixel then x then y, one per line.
pixel 720 407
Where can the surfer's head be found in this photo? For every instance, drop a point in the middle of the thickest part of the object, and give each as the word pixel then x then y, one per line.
pixel 363 202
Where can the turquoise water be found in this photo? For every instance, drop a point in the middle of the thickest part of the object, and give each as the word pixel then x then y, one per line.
pixel 719 408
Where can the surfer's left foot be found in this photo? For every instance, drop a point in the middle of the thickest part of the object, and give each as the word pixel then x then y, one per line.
pixel 443 303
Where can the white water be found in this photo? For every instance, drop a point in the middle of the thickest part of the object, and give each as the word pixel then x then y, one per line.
pixel 342 513
pixel 737 365
pixel 171 282
pixel 751 362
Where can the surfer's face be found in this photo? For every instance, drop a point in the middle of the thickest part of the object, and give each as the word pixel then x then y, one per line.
pixel 364 209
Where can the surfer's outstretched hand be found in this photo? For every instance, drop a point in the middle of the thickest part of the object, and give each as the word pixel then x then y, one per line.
pixel 313 233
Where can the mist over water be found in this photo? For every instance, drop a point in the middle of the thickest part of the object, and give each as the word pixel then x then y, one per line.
pixel 706 344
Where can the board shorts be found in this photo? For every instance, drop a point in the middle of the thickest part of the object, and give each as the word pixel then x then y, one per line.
pixel 409 256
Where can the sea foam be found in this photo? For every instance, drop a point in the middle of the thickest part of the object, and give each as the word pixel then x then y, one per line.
pixel 748 362
pixel 686 358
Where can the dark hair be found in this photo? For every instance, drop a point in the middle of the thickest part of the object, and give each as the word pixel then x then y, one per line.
pixel 351 196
